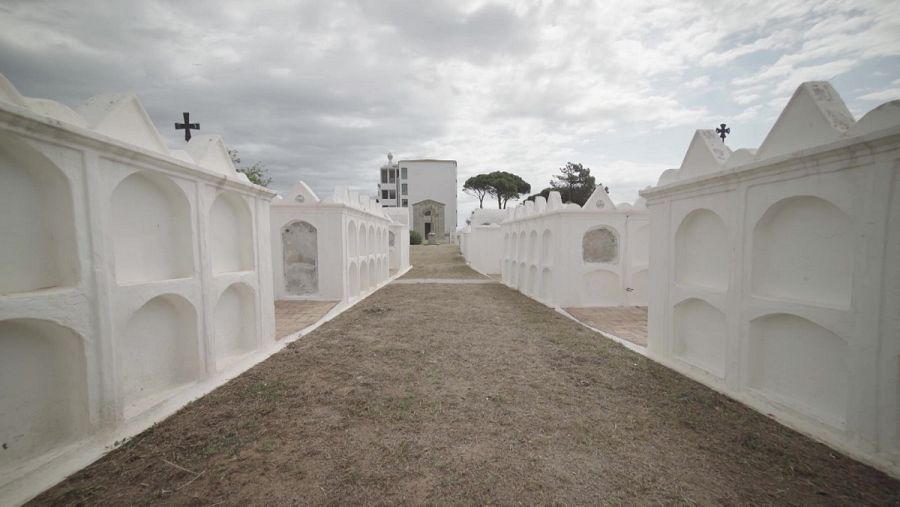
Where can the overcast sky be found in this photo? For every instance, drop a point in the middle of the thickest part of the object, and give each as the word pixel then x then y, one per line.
pixel 321 91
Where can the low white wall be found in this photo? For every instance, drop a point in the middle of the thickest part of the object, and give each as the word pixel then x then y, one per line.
pixel 774 272
pixel 569 256
pixel 132 278
pixel 398 247
pixel 332 249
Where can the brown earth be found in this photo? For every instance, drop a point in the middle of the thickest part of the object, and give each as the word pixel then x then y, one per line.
pixel 467 394
pixel 439 261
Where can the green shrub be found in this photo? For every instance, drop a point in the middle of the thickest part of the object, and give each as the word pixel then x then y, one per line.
pixel 415 238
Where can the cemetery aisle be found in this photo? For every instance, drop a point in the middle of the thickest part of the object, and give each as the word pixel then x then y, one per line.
pixel 467 393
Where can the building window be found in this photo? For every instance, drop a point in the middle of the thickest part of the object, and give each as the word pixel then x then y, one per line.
pixel 404 189
pixel 384 177
pixel 405 203
pixel 392 176
pixel 402 173
pixel 392 194
pixel 384 194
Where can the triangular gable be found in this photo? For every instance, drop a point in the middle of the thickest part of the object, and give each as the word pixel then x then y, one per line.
pixel 210 153
pixel 882 117
pixel 814 116
pixel 300 193
pixel 706 154
pixel 599 201
pixel 428 201
pixel 121 116
pixel 57 111
pixel 9 93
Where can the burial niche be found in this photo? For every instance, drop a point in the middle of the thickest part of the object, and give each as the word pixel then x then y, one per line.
pixel 231 234
pixel 300 247
pixel 151 229
pixel 38 248
pixel 700 333
pixel 600 245
pixel 351 239
pixel 43 388
pixel 547 248
pixel 235 324
pixel 702 251
pixel 353 276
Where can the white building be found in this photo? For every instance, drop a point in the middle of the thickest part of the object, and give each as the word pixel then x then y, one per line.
pixel 407 182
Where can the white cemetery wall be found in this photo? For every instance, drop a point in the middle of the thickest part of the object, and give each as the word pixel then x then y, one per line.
pixel 398 247
pixel 132 279
pixel 774 272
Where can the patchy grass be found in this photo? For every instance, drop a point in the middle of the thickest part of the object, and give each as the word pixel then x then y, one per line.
pixel 467 394
pixel 439 261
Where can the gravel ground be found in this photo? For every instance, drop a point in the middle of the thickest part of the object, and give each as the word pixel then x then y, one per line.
pixel 467 394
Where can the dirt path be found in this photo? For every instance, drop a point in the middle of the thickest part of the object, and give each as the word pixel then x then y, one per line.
pixel 467 394
pixel 439 261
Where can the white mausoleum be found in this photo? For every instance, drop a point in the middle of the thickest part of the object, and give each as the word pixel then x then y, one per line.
pixel 408 182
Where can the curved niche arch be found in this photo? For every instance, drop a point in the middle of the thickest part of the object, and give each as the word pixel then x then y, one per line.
pixel 38 249
pixel 699 338
pixel 232 234
pixel 151 227
pixel 158 350
pixel 353 276
pixel 364 276
pixel 300 251
pixel 547 248
pixel 600 245
pixel 803 250
pixel 351 239
pixel 43 385
pixel 702 251
pixel 235 324
pixel 532 247
pixel 800 364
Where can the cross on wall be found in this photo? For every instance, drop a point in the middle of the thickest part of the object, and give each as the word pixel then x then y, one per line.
pixel 187 126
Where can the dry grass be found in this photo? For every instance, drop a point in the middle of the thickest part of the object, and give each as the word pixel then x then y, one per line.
pixel 438 261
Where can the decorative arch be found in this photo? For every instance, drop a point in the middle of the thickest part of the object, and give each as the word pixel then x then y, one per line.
pixel 364 276
pixel 373 247
pixel 803 250
pixel 43 385
pixel 363 246
pixel 235 324
pixel 38 249
pixel 373 273
pixel 602 288
pixel 801 364
pixel 300 252
pixel 699 335
pixel 351 240
pixel 547 248
pixel 151 229
pixel 600 245
pixel 546 284
pixel 702 251
pixel 522 252
pixel 159 349
pixel 231 245
pixel 532 247
pixel 353 276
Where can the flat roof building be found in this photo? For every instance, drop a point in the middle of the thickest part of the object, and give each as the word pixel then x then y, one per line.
pixel 409 182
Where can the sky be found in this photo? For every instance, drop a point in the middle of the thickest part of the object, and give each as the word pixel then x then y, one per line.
pixel 320 91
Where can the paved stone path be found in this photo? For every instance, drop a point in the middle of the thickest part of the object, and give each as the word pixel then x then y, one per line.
pixel 628 323
pixel 467 394
pixel 293 316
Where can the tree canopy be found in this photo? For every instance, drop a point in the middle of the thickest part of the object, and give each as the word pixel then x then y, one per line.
pixel 257 173
pixel 478 186
pixel 574 184
pixel 499 185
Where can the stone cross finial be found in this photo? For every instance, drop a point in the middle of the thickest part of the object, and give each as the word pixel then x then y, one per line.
pixel 187 126
pixel 723 131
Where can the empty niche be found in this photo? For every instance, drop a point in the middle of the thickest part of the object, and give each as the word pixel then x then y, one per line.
pixel 373 247
pixel 532 280
pixel 512 247
pixel 351 239
pixel 532 247
pixel 602 288
pixel 800 364
pixel 235 324
pixel 639 252
pixel 546 280
pixel 363 248
pixel 520 279
pixel 803 250
pixel 700 333
pixel 232 234
pixel 702 251
pixel 373 273
pixel 547 248
pixel 364 276
pixel 506 246
pixel 151 229
pixel 158 350
pixel 521 246
pixel 43 389
pixel 600 245
pixel 391 240
pixel 38 249
pixel 353 275
pixel 299 242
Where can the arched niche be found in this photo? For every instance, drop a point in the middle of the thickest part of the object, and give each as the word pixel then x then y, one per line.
pixel 159 349
pixel 38 248
pixel 600 245
pixel 801 364
pixel 353 276
pixel 546 284
pixel 300 251
pixel 803 250
pixel 43 388
pixel 373 273
pixel 532 247
pixel 363 247
pixel 373 246
pixel 231 245
pixel 520 278
pixel 547 248
pixel 521 246
pixel 506 246
pixel 699 335
pixel 512 247
pixel 602 288
pixel 151 229
pixel 532 280
pixel 351 240
pixel 702 251
pixel 235 324
pixel 364 275
pixel 639 251
pixel 391 240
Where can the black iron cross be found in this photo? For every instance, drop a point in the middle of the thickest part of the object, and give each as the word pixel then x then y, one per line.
pixel 722 131
pixel 187 126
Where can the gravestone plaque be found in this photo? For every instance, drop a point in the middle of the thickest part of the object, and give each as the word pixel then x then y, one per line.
pixel 600 245
pixel 301 258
